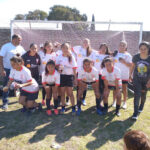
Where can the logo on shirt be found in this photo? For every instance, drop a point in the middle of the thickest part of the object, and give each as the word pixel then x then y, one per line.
pixel 142 69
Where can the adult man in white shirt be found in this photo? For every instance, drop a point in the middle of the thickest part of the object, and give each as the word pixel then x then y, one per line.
pixel 7 51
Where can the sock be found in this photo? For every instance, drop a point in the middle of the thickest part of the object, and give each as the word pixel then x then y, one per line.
pixel 48 104
pixel 55 103
pixel 117 108
pixel 79 104
pixel 63 107
pixel 97 103
pixel 73 108
pixel 67 99
pixel 106 106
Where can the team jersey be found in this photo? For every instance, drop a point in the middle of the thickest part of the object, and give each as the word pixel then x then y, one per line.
pixel 123 68
pixel 81 54
pixel 91 76
pixel 67 67
pixel 24 76
pixel 45 58
pixel 32 63
pixel 111 77
pixel 51 78
pixel 98 60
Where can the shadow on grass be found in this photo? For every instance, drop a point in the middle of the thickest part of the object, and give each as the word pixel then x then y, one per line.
pixel 64 127
pixel 113 131
pixel 67 126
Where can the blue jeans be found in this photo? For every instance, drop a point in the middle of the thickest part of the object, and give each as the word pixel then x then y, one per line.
pixel 5 81
pixel 139 95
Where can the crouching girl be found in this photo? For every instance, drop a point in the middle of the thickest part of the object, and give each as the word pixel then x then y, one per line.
pixel 88 75
pixel 21 78
pixel 51 81
pixel 112 81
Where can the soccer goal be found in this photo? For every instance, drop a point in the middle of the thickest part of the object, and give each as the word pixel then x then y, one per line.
pixel 112 33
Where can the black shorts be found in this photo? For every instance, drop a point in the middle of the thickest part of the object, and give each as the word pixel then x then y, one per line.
pixel 124 82
pixel 51 85
pixel 29 96
pixel 88 83
pixel 113 87
pixel 66 80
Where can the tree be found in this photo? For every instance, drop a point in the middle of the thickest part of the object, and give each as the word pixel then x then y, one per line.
pixel 33 15
pixel 36 15
pixel 59 12
pixel 19 17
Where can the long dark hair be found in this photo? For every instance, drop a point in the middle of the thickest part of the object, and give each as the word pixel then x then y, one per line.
pixel 45 44
pixel 67 45
pixel 107 49
pixel 50 62
pixel 89 48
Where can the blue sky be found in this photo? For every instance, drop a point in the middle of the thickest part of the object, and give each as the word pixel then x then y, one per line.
pixel 104 10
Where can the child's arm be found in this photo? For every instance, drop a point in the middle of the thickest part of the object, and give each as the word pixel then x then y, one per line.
pixel 5 89
pixel 131 71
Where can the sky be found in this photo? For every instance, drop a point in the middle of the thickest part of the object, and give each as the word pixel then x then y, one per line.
pixel 104 10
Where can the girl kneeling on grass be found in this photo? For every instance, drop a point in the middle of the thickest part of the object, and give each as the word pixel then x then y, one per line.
pixel 88 75
pixel 112 81
pixel 21 78
pixel 51 81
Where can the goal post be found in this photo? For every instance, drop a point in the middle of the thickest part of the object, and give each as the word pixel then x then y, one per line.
pixel 110 32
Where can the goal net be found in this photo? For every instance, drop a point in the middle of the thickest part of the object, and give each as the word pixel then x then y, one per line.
pixel 61 31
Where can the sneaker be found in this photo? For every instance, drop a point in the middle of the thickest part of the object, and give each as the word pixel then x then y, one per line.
pixel 56 111
pixel 5 107
pixel 40 107
pixel 62 111
pixel 118 114
pixel 23 110
pixel 124 106
pixel 99 112
pixel 140 110
pixel 49 112
pixel 134 117
pixel 78 111
pixel 73 111
pixel 43 102
pixel 83 102
pixel 114 104
pixel 67 103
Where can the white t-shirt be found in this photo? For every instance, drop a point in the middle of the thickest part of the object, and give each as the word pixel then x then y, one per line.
pixel 24 76
pixel 123 68
pixel 51 79
pixel 111 77
pixel 67 66
pixel 44 59
pixel 88 76
pixel 98 60
pixel 81 55
pixel 8 51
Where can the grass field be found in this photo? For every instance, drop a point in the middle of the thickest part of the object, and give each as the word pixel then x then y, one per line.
pixel 85 132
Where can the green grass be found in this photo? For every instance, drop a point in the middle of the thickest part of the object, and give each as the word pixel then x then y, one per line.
pixel 88 131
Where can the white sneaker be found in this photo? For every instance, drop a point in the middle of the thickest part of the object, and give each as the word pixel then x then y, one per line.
pixel 140 111
pixel 124 106
pixel 67 103
pixel 134 117
pixel 114 104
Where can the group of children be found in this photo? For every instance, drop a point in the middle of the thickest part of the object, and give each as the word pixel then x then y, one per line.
pixel 60 70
